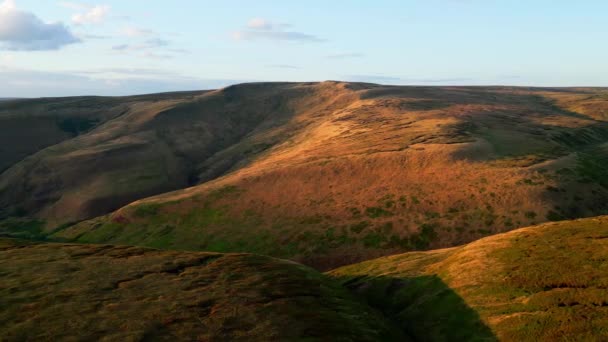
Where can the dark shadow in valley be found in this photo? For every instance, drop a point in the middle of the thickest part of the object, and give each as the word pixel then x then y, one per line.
pixel 423 307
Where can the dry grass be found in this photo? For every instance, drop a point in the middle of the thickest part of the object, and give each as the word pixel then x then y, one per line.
pixel 331 172
pixel 119 293
pixel 542 283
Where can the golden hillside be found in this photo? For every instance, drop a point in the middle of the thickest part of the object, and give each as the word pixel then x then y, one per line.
pixel 543 283
pixel 324 173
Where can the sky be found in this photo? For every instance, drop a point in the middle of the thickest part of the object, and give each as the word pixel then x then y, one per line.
pixel 122 47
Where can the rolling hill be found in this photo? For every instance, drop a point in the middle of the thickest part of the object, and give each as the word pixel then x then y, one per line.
pixel 542 283
pixel 120 293
pixel 323 173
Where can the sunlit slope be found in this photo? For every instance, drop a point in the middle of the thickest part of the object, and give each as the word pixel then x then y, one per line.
pixel 159 143
pixel 119 293
pixel 543 283
pixel 362 170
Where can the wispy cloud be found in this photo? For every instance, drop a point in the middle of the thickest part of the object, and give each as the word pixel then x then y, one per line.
pixel 93 15
pixel 146 45
pixel 95 36
pixel 155 48
pixel 259 28
pixel 131 31
pixel 125 72
pixel 345 55
pixel 260 24
pixel 150 44
pixel 283 66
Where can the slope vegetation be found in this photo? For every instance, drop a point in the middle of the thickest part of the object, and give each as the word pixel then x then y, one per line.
pixel 384 170
pixel 154 144
pixel 544 283
pixel 324 173
pixel 114 293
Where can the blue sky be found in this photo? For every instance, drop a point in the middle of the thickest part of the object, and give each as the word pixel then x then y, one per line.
pixel 111 47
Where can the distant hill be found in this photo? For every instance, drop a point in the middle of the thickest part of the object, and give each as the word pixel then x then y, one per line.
pixel 323 173
pixel 545 283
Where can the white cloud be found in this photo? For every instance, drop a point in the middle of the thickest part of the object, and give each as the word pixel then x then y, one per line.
pixel 24 31
pixel 136 32
pixel 147 43
pixel 259 28
pixel 94 15
pixel 151 48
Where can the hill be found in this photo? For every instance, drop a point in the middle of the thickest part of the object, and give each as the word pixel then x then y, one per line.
pixel 77 292
pixel 544 283
pixel 47 147
pixel 323 173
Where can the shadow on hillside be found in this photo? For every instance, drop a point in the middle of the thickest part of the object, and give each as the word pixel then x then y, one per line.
pixel 424 307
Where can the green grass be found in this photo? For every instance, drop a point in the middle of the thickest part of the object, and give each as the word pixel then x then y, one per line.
pixel 146 210
pixel 23 228
pixel 424 238
pixel 591 167
pixel 359 227
pixel 92 292
pixel 375 212
pixel 544 283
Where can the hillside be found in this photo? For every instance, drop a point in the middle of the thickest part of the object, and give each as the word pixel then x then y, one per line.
pixel 544 283
pixel 60 147
pixel 324 173
pixel 142 146
pixel 118 293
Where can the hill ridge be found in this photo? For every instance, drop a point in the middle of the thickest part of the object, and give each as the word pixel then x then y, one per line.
pixel 304 166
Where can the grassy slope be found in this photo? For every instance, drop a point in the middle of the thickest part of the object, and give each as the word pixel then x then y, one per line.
pixel 51 149
pixel 92 292
pixel 28 126
pixel 544 283
pixel 159 143
pixel 383 170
